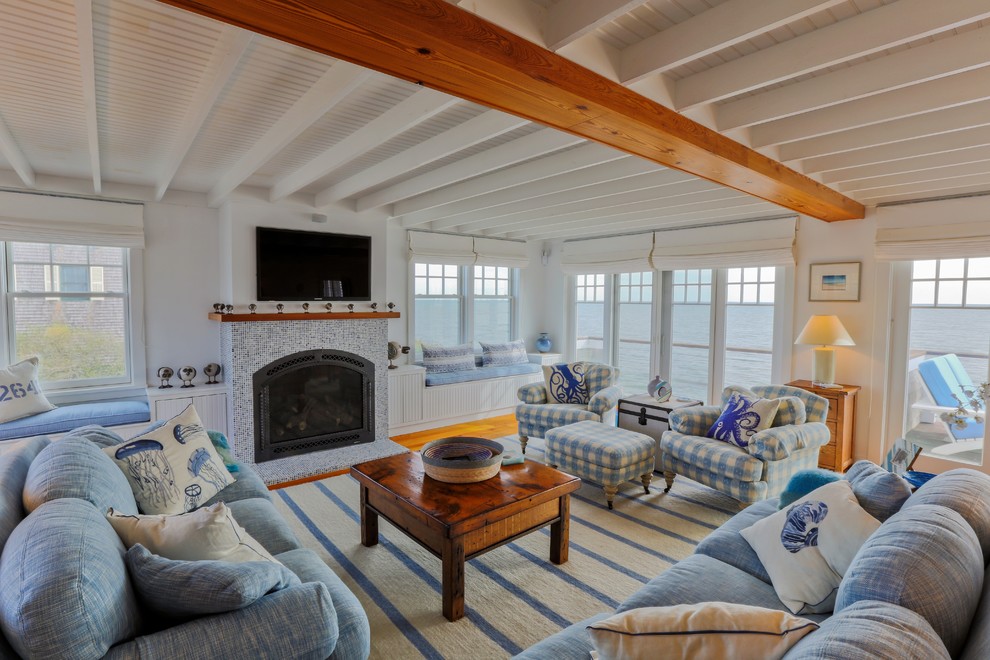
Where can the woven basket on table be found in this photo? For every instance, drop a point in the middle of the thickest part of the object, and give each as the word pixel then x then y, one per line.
pixel 461 460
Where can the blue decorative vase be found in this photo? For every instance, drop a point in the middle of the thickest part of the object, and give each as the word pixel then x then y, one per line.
pixel 659 389
pixel 543 343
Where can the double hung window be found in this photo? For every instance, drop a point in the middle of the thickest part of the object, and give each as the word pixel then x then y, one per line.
pixel 69 305
pixel 456 304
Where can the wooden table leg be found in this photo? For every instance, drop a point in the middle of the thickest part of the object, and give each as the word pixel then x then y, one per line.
pixel 453 578
pixel 560 531
pixel 369 521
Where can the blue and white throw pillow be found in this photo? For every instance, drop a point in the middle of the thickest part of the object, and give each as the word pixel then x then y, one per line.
pixel 807 547
pixel 742 418
pixel 444 359
pixel 504 354
pixel 565 383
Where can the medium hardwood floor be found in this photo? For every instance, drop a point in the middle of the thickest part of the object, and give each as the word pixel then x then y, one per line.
pixel 491 428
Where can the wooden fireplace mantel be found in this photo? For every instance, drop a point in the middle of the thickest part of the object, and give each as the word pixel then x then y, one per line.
pixel 301 316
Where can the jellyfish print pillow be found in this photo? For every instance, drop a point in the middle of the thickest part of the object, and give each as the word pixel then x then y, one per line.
pixel 807 548
pixel 173 468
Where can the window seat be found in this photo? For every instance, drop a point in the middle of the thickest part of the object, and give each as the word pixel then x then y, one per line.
pixel 67 417
pixel 481 373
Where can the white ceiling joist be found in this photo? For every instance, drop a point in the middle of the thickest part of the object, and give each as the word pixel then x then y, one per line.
pixel 599 196
pixel 14 156
pixel 884 27
pixel 944 57
pixel 686 194
pixel 977 184
pixel 975 154
pixel 744 207
pixel 720 27
pixel 485 126
pixel 87 71
pixel 917 149
pixel 569 20
pixel 927 97
pixel 332 87
pixel 897 130
pixel 521 149
pixel 586 155
pixel 921 176
pixel 449 215
pixel 231 47
pixel 414 110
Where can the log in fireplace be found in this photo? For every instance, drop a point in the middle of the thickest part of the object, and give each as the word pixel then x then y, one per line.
pixel 313 401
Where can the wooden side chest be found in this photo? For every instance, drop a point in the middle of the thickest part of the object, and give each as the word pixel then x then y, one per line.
pixel 841 421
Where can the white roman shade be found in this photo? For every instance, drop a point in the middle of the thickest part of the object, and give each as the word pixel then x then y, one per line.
pixel 615 254
pixel 495 252
pixel 427 247
pixel 48 219
pixel 756 243
pixel 957 228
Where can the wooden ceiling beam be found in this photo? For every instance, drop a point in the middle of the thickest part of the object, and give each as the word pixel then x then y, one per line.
pixel 441 46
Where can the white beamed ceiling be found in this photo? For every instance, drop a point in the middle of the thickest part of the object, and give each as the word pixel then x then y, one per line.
pixel 883 100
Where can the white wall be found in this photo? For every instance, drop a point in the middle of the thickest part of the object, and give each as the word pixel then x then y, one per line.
pixel 182 280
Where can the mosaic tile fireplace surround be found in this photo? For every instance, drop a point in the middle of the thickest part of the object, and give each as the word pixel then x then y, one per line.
pixel 248 346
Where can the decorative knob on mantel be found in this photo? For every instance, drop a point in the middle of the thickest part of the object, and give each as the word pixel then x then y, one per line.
pixel 374 307
pixel 329 307
pixel 253 308
pixel 350 307
pixel 305 307
pixel 279 307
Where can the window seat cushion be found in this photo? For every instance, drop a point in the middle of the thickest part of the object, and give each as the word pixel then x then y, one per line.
pixel 68 417
pixel 481 373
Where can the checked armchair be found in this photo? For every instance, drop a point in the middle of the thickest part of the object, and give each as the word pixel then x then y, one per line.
pixel 536 415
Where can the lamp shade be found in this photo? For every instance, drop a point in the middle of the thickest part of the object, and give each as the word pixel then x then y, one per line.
pixel 824 330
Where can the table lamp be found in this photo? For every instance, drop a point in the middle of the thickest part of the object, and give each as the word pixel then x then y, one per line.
pixel 824 332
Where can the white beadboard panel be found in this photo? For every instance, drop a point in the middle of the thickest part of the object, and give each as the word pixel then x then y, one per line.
pixel 272 77
pixel 405 395
pixel 41 98
pixel 442 402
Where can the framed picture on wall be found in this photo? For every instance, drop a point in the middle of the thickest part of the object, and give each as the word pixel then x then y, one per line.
pixel 835 282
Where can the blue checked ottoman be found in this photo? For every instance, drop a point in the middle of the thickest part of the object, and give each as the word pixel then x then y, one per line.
pixel 602 454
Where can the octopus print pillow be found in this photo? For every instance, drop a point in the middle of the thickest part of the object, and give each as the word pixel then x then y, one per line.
pixel 565 383
pixel 807 548
pixel 174 468
pixel 742 418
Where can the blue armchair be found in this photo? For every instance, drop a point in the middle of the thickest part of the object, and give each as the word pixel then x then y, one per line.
pixel 536 415
pixel 762 469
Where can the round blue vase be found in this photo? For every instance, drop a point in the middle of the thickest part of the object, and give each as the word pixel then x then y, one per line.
pixel 543 343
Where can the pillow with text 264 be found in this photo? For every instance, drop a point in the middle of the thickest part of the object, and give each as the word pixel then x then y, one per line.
pixel 565 383
pixel 20 394
pixel 174 468
pixel 742 418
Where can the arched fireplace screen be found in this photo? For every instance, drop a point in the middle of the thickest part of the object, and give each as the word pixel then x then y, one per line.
pixel 313 401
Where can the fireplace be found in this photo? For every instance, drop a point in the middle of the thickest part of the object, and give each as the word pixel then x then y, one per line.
pixel 313 401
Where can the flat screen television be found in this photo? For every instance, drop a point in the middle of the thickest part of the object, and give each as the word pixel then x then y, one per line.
pixel 312 265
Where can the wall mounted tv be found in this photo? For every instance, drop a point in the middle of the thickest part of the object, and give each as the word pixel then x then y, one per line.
pixel 311 265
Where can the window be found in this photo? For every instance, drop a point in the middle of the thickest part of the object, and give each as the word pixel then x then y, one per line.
pixel 492 304
pixel 456 304
pixel 711 327
pixel 749 325
pixel 690 345
pixel 634 329
pixel 52 312
pixel 590 318
pixel 949 318
pixel 438 302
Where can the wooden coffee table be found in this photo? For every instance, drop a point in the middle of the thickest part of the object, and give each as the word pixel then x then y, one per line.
pixel 457 522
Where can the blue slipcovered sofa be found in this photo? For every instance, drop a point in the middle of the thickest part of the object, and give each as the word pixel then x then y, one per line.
pixel 916 588
pixel 66 549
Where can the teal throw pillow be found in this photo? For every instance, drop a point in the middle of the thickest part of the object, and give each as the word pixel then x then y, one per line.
pixel 803 482
pixel 191 588
pixel 565 383
pixel 742 418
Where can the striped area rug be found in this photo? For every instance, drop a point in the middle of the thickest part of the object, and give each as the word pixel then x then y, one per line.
pixel 514 596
